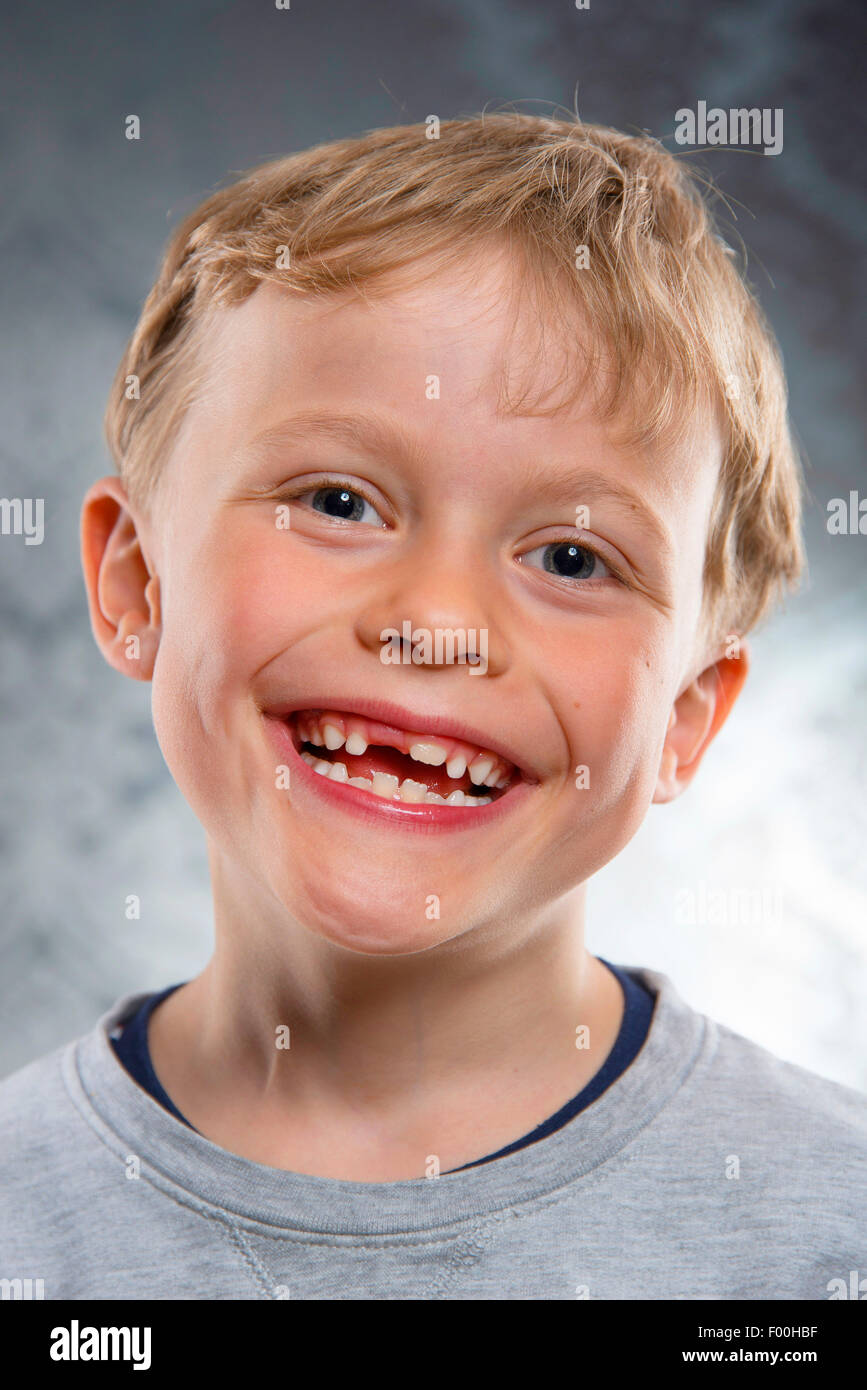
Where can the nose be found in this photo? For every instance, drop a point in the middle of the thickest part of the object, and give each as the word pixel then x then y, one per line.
pixel 439 603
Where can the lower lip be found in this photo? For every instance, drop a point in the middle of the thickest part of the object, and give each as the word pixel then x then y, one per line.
pixel 365 806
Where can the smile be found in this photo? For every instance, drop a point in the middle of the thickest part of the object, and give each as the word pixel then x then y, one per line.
pixel 398 765
pixel 403 769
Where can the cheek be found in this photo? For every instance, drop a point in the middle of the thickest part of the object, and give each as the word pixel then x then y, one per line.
pixel 243 596
pixel 609 692
pixel 217 615
pixel 264 591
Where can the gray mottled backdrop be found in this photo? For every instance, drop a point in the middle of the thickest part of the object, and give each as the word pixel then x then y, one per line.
pixel 89 812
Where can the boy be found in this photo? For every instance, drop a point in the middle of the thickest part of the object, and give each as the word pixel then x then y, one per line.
pixel 452 473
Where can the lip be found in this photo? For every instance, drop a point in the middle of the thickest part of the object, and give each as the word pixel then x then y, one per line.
pixel 363 805
pixel 407 721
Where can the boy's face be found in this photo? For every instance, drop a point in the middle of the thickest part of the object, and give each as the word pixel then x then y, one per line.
pixel 460 517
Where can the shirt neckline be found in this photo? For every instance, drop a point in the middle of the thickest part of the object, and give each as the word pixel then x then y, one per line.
pixel 198 1173
pixel 134 1053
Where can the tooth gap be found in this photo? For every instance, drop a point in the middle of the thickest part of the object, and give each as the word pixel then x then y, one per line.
pixel 473 790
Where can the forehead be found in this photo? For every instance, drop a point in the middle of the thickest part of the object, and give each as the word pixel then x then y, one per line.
pixel 463 319
pixel 459 359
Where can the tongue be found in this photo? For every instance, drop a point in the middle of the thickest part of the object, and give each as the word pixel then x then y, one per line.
pixel 398 765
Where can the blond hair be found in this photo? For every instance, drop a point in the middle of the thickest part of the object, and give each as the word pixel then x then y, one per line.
pixel 662 294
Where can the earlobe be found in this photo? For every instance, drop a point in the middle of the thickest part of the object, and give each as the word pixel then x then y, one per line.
pixel 698 714
pixel 123 596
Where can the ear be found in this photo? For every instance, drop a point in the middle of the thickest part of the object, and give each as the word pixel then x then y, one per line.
pixel 698 714
pixel 123 596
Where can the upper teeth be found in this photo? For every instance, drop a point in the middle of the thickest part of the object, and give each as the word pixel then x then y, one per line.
pixel 431 753
pixel 479 769
pixel 485 768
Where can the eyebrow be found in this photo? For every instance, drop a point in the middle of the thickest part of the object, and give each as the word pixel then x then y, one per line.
pixel 367 432
pixel 374 435
pixel 586 486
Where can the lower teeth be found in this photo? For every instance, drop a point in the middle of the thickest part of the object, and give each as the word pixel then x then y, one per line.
pixel 386 786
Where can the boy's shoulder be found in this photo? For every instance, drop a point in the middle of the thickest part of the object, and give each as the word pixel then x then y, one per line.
pixel 790 1118
pixel 41 1122
pixel 735 1058
pixel 28 1088
pixel 785 1086
pixel 35 1112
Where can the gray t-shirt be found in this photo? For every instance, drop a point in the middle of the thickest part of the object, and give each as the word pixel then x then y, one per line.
pixel 708 1169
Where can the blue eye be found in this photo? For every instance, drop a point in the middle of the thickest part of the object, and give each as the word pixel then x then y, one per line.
pixel 339 502
pixel 342 503
pixel 566 560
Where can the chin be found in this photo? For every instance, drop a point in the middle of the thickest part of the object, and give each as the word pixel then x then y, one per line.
pixel 377 935
pixel 370 918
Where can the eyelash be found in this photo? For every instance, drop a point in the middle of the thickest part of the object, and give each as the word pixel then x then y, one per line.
pixel 341 483
pixel 615 571
pixel 321 485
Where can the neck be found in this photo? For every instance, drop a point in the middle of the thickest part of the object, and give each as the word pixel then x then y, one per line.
pixel 448 1049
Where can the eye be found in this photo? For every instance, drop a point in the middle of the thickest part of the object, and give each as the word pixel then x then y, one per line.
pixel 570 561
pixel 341 503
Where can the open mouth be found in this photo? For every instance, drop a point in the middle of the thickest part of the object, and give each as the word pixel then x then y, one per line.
pixel 398 765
